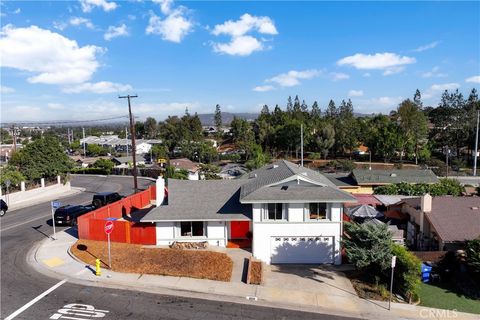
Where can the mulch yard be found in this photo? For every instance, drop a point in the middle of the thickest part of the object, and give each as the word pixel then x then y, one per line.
pixel 256 272
pixel 133 258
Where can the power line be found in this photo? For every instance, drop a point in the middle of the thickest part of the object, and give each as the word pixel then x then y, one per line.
pixel 53 122
pixel 132 132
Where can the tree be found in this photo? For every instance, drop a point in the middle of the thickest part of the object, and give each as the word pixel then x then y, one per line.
pixel 407 272
pixel 331 111
pixel 150 128
pixel 218 121
pixel 383 137
pixel 43 158
pixel 94 150
pixel 139 129
pixel 413 127
pixel 105 164
pixel 210 171
pixel 315 113
pixel 289 105
pixel 472 249
pixel 159 151
pixel 368 246
pixel 325 139
pixel 417 99
pixel 10 173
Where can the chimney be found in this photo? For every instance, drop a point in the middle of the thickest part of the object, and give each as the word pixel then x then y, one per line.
pixel 426 203
pixel 160 192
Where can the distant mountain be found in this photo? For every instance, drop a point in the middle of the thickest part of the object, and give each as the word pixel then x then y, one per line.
pixel 208 119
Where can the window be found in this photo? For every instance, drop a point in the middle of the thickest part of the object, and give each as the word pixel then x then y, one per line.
pixel 274 211
pixel 192 229
pixel 317 211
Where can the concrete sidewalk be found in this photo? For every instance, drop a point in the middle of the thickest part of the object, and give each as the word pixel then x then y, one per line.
pixel 52 257
pixel 43 198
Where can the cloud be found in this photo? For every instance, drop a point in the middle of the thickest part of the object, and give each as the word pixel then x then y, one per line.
pixel 174 27
pixel 386 101
pixel 434 73
pixel 55 106
pixel 113 32
pixel 51 57
pixel 263 88
pixel 60 25
pixel 239 46
pixel 427 46
pixel 165 5
pixel 241 42
pixel 77 21
pixel 17 11
pixel 88 5
pixel 5 89
pixel 473 79
pixel 98 87
pixel 355 93
pixel 293 77
pixel 337 76
pixel 389 62
pixel 445 86
pixel 367 75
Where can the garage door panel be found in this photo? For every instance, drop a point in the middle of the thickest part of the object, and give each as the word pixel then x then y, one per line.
pixel 302 250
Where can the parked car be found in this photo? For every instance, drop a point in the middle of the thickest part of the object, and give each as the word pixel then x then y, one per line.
pixel 67 215
pixel 3 208
pixel 103 198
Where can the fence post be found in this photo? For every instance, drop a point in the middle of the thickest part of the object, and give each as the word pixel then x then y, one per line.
pixel 59 180
pixel 42 182
pixel 22 186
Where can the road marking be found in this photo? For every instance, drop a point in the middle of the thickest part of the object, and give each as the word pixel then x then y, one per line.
pixel 53 262
pixel 32 302
pixel 81 310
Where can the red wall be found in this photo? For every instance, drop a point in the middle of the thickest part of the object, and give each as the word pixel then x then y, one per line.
pixel 91 225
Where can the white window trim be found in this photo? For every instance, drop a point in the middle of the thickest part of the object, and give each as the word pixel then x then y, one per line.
pixel 328 216
pixel 179 231
pixel 284 213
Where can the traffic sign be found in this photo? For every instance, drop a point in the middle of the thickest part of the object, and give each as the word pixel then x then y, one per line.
pixel 56 204
pixel 108 227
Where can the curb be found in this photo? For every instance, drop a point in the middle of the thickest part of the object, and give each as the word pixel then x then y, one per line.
pixel 73 191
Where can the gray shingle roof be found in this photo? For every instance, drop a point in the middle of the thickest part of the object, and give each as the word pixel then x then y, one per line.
pixel 341 180
pixel 201 200
pixel 300 193
pixel 379 177
pixel 277 172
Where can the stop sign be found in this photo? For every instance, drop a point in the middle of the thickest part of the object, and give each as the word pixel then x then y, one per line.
pixel 108 227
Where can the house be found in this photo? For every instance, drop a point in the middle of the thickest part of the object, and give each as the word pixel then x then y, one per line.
pixel 441 223
pixel 6 151
pixel 291 214
pixel 85 162
pixel 364 180
pixel 127 162
pixel 193 168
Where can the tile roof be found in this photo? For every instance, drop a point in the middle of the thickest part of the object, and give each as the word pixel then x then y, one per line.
pixel 381 177
pixel 201 200
pixel 454 218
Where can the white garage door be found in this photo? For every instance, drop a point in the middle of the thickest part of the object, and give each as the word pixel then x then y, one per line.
pixel 302 250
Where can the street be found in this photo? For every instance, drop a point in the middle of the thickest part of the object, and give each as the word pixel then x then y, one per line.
pixel 20 284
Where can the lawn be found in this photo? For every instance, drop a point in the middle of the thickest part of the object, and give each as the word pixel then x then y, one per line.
pixel 133 258
pixel 436 297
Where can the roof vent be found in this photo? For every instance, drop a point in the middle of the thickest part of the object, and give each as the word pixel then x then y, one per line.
pixel 274 166
pixel 284 188
pixel 393 174
pixel 474 208
pixel 253 175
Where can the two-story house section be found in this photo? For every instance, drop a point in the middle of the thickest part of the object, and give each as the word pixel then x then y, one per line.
pixel 296 214
pixel 287 213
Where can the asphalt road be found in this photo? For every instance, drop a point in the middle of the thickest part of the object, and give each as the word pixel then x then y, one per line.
pixel 21 229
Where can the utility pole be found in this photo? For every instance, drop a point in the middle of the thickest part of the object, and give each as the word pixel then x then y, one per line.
pixel 14 135
pixel 301 144
pixel 84 149
pixel 132 132
pixel 476 147
pixel 447 152
pixel 126 139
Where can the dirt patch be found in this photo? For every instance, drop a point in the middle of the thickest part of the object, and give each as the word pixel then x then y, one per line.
pixel 366 287
pixel 255 272
pixel 137 259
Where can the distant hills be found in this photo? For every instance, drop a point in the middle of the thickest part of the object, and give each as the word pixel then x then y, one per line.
pixel 208 119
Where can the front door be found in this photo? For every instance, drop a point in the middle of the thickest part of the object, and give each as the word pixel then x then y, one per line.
pixel 239 229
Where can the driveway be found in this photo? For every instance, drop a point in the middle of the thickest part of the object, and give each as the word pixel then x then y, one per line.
pixel 317 279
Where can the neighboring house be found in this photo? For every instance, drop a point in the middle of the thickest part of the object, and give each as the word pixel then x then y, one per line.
pixel 193 168
pixel 364 180
pixel 291 214
pixel 142 146
pixel 361 150
pixel 442 223
pixel 232 171
pixel 86 162
pixel 127 162
pixel 6 151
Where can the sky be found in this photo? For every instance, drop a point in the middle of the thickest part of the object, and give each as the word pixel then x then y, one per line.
pixel 70 60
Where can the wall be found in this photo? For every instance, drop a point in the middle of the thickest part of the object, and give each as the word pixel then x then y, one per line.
pixel 168 232
pixel 19 198
pixel 91 225
pixel 263 231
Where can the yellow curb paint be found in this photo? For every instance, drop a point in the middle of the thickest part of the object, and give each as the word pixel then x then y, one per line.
pixel 54 262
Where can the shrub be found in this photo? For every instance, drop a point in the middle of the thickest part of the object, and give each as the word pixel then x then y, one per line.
pixel 444 187
pixel 407 272
pixel 89 171
pixel 368 246
pixel 106 164
pixel 314 156
pixel 472 249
